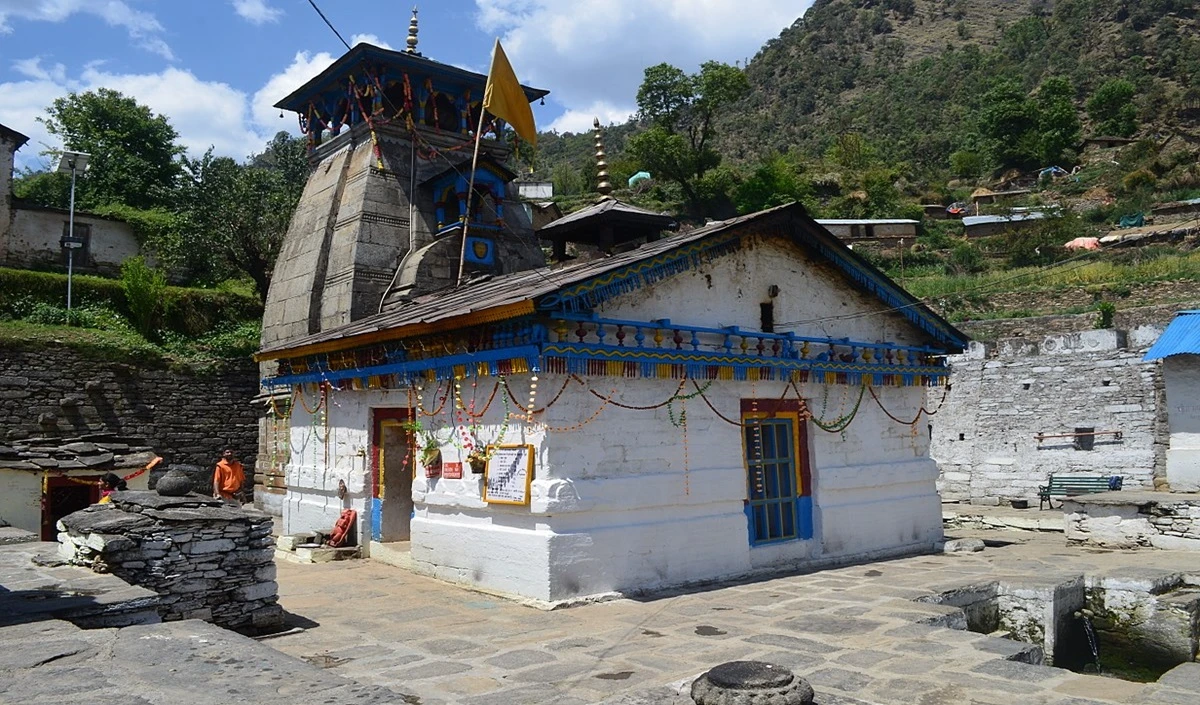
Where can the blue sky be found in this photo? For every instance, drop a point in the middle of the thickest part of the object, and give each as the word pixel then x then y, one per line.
pixel 215 67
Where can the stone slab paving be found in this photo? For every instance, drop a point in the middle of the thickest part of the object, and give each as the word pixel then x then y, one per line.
pixel 853 632
pixel 53 662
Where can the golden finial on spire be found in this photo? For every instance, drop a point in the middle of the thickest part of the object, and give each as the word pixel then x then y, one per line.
pixel 412 34
pixel 602 184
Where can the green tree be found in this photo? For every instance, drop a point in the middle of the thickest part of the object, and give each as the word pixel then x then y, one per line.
pixel 236 217
pixel 287 156
pixel 1058 124
pixel 680 110
pixel 135 158
pixel 775 181
pixel 1111 108
pixel 1008 123
pixel 43 188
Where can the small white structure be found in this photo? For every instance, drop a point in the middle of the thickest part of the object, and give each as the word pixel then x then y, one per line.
pixel 1179 350
pixel 535 190
pixel 30 235
pixel 744 397
pixel 886 231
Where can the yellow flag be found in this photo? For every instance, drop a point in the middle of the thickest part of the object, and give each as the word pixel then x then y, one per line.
pixel 505 99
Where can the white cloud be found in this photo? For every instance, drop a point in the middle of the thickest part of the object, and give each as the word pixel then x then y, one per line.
pixel 581 120
pixel 590 54
pixel 204 113
pixel 33 68
pixel 141 26
pixel 256 11
pixel 304 66
pixel 368 39
pixel 21 103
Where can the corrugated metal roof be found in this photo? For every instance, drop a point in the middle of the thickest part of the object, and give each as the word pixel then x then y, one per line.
pixel 1013 218
pixel 1182 337
pixel 608 207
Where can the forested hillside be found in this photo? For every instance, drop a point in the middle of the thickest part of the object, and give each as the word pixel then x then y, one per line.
pixel 913 76
pixel 937 89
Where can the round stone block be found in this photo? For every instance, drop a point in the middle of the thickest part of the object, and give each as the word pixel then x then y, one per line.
pixel 174 483
pixel 751 683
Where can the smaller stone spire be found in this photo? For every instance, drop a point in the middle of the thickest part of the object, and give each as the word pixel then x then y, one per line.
pixel 602 184
pixel 412 34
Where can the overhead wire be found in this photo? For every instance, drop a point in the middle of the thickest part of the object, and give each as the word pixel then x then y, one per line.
pixel 330 24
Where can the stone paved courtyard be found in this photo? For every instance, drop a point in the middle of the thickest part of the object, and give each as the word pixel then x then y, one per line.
pixel 853 632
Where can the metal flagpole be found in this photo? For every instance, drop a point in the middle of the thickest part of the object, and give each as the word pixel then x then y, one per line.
pixel 466 219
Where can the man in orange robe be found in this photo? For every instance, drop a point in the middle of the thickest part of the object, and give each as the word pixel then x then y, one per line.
pixel 228 477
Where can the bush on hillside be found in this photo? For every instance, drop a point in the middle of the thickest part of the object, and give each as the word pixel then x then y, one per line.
pixel 189 311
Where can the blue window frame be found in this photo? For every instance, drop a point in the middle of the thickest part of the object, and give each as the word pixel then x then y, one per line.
pixel 771 477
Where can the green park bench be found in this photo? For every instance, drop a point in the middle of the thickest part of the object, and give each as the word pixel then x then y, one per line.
pixel 1072 484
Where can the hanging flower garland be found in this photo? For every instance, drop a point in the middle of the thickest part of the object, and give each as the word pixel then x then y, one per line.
pixel 840 423
pixel 922 410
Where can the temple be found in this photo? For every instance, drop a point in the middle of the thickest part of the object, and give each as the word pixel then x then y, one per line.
pixel 652 410
pixel 390 135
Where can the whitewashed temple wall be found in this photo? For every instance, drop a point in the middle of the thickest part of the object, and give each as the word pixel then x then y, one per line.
pixel 623 502
pixel 813 297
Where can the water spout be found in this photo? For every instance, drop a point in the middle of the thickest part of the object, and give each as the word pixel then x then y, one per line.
pixel 1086 616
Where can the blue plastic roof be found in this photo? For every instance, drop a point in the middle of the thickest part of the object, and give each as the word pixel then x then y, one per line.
pixel 1182 337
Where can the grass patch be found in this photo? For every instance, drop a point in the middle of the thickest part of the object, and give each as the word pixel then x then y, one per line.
pixel 1114 275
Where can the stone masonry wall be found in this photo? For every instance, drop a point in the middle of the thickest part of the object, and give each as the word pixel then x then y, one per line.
pixel 206 559
pixel 186 417
pixel 1172 522
pixel 1006 393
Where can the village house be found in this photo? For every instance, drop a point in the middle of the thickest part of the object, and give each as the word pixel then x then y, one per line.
pixel 31 236
pixel 887 232
pixel 746 396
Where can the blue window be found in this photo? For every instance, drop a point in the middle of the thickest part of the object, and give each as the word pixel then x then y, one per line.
pixel 778 491
pixel 771 474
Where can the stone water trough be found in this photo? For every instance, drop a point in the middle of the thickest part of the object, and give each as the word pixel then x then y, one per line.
pixel 205 558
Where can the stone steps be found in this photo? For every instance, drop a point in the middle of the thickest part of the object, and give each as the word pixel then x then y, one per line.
pixel 308 548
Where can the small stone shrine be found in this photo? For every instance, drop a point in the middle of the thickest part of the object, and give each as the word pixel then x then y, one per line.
pixel 207 559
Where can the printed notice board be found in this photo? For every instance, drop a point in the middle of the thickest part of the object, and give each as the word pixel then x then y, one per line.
pixel 508 474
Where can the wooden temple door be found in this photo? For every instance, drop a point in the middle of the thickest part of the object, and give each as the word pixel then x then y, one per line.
pixel 391 475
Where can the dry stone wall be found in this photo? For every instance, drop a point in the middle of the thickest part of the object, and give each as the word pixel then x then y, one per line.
pixel 1005 394
pixel 206 559
pixel 54 391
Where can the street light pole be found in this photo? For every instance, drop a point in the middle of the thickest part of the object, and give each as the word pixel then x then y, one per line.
pixel 73 162
pixel 71 242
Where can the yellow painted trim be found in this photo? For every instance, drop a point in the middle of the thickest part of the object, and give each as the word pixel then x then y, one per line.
pixel 491 315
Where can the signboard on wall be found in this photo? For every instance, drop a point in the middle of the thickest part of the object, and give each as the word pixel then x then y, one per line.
pixel 508 474
pixel 452 471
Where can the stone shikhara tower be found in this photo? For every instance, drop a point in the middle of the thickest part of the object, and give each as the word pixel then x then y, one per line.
pixel 391 135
